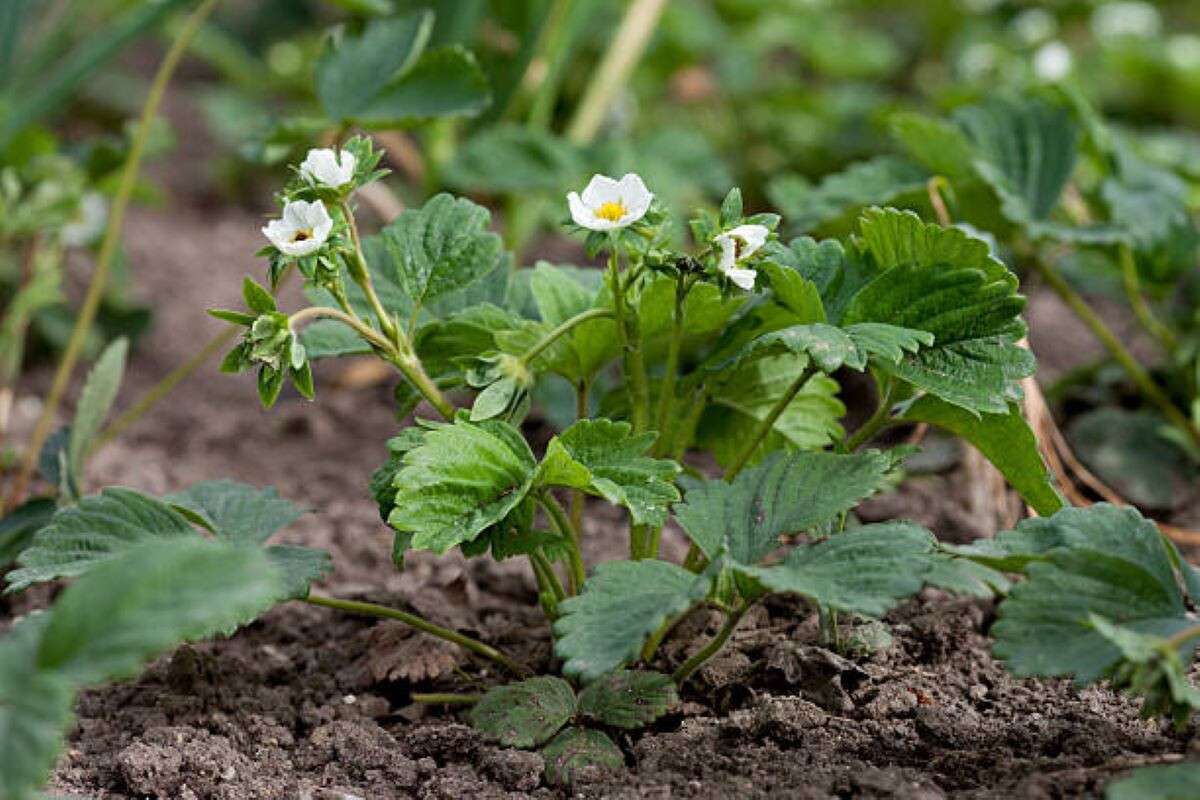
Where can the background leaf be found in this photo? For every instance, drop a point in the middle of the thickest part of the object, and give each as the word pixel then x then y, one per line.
pixel 237 512
pixel 1159 782
pixel 1129 452
pixel 95 401
pixel 18 528
pixel 446 82
pixel 352 74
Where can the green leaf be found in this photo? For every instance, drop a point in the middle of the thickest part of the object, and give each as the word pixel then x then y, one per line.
pixel 602 457
pixel 579 748
pixel 745 398
pixel 352 75
pixel 785 494
pixel 832 348
pixel 18 528
pixel 98 529
pixel 796 293
pixel 328 338
pixel 509 158
pixel 939 145
pixel 442 247
pixel 1101 560
pixel 446 82
pixel 837 274
pixel 35 709
pixel 706 312
pixel 942 281
pixel 524 714
pixel 1129 452
pixel 297 568
pixel 1159 782
pixel 1006 441
pixel 628 699
pixel 236 512
pixel 883 179
pixel 863 571
pixel 461 479
pixel 153 597
pixel 621 604
pixel 258 299
pixel 95 401
pixel 1152 667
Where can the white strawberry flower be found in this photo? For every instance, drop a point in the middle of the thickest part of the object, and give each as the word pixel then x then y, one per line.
pixel 737 245
pixel 301 230
pixel 88 223
pixel 328 167
pixel 608 204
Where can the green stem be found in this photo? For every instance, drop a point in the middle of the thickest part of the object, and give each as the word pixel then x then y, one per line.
pixel 362 276
pixel 421 624
pixel 709 650
pixel 1178 640
pixel 767 425
pixel 540 562
pixel 1139 376
pixel 445 698
pixel 549 56
pixel 108 249
pixel 666 396
pixel 1141 309
pixel 625 50
pixel 564 328
pixel 164 387
pixel 361 328
pixel 631 348
pixel 577 497
pixel 682 434
pixel 559 517
pixel 874 424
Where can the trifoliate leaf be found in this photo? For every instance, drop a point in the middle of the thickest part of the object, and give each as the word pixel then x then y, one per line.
pixel 832 348
pixel 236 512
pixel 837 274
pixel 352 74
pixel 99 528
pixel 95 401
pixel 942 281
pixel 787 493
pixel 442 247
pixel 884 179
pixel 1129 452
pixel 462 478
pixel 579 748
pixel 1152 668
pixel 603 457
pixel 745 398
pixel 508 158
pixel 628 698
pixel 446 82
pixel 524 714
pixel 1159 782
pixel 35 708
pixel 154 596
pixel 18 528
pixel 1101 560
pixel 1006 441
pixel 621 604
pixel 864 571
pixel 889 343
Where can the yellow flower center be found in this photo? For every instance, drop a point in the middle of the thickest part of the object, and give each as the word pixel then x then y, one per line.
pixel 611 211
pixel 302 235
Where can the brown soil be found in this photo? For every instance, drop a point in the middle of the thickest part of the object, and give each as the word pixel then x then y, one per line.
pixel 309 704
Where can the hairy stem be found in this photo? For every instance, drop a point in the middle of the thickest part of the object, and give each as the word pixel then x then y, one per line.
pixel 361 328
pixel 1141 309
pixel 666 395
pixel 565 327
pixel 421 624
pixel 559 517
pixel 108 248
pixel 577 496
pixel 1128 362
pixel 631 348
pixel 625 50
pixel 362 276
pixel 713 647
pixel 445 698
pixel 767 425
pixel 874 424
pixel 540 563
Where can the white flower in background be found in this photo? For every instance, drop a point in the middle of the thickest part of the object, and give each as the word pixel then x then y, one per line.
pixel 1034 25
pixel 88 223
pixel 302 230
pixel 1052 61
pixel 737 245
pixel 607 204
pixel 1115 20
pixel 978 60
pixel 327 167
pixel 1183 51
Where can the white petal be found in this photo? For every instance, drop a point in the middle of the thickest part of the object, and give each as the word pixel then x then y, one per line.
pixel 742 278
pixel 579 212
pixel 728 252
pixel 88 223
pixel 753 237
pixel 601 189
pixel 327 167
pixel 278 232
pixel 634 196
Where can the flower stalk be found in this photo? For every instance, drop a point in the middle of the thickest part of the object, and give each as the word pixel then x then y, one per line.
pixel 768 424
pixel 689 667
